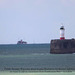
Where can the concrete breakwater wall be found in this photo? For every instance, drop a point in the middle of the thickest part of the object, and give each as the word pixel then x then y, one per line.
pixel 66 46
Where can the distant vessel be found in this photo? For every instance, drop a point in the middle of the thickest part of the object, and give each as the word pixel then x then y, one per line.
pixel 21 42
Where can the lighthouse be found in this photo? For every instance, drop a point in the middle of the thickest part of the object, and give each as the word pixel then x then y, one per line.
pixel 62 31
pixel 62 45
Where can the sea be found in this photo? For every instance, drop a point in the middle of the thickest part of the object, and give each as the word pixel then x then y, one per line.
pixel 34 59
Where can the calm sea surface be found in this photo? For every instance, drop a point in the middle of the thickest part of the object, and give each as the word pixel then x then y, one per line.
pixel 33 58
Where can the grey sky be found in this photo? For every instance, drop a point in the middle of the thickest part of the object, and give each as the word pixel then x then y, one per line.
pixel 35 21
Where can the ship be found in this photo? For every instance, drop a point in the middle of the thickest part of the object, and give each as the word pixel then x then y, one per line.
pixel 21 42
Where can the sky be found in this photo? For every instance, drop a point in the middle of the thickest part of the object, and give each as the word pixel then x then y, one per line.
pixel 36 21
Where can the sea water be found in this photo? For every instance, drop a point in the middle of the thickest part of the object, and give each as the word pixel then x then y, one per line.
pixel 34 59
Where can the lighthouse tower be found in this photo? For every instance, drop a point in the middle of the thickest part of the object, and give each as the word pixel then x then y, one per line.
pixel 62 30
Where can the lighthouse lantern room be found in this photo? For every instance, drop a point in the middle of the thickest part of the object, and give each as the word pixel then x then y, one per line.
pixel 62 30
